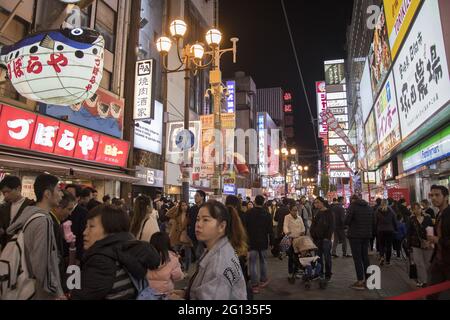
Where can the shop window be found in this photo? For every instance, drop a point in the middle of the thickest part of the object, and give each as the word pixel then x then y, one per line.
pixel 105 23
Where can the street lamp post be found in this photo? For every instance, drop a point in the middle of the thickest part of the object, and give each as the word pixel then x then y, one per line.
pixel 191 60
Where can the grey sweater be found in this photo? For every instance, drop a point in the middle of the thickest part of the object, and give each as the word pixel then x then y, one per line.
pixel 41 253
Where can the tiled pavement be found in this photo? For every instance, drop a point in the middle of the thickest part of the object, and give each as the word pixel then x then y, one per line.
pixel 394 281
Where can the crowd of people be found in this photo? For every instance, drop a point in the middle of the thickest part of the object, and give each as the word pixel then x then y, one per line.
pixel 222 249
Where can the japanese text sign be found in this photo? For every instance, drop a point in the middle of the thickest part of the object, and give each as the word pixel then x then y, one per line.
pixel 143 90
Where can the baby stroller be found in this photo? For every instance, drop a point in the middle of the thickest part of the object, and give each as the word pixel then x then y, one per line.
pixel 307 261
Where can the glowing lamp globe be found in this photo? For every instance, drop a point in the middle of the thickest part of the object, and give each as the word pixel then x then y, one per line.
pixel 213 37
pixel 58 67
pixel 198 51
pixel 163 45
pixel 178 28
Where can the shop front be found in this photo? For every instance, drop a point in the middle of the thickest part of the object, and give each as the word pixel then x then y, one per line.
pixel 32 144
pixel 151 182
pixel 426 164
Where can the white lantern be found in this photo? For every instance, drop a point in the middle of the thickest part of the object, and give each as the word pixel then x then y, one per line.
pixel 58 67
pixel 213 37
pixel 198 50
pixel 163 45
pixel 178 28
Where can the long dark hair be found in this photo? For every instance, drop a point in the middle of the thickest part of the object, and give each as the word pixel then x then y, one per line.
pixel 161 242
pixel 234 231
pixel 233 201
pixel 140 210
pixel 180 211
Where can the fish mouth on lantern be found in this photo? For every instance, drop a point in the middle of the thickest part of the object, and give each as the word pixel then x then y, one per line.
pixel 92 101
pixel 103 110
pixel 116 110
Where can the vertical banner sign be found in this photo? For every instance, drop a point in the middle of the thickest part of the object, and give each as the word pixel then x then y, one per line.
pixel 322 107
pixel 337 150
pixel 262 144
pixel 143 90
pixel 333 125
pixel 231 99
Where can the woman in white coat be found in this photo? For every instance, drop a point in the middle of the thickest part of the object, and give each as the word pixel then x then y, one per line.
pixel 144 223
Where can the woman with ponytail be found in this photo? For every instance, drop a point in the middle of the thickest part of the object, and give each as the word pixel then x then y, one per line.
pixel 219 275
pixel 145 219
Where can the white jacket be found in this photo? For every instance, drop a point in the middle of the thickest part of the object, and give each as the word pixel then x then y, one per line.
pixel 294 227
pixel 149 227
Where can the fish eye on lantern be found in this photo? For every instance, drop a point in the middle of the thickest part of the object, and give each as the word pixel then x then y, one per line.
pixel 77 32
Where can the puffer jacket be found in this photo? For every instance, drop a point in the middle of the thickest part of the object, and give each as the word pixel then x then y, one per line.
pixel 162 279
pixel 361 221
pixel 106 268
pixel 386 221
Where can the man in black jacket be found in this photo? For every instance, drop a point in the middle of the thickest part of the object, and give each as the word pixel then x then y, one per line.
pixel 10 211
pixel 440 263
pixel 260 234
pixel 338 211
pixel 361 221
pixel 78 218
pixel 322 229
pixel 280 214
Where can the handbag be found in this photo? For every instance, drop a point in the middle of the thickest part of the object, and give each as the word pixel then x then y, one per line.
pixel 285 243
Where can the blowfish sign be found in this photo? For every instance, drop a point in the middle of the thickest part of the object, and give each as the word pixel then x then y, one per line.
pixel 59 67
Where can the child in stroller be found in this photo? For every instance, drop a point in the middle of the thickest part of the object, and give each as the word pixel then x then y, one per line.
pixel 307 260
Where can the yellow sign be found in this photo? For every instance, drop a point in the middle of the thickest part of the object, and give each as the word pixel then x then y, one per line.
pixel 207 122
pixel 228 121
pixel 399 15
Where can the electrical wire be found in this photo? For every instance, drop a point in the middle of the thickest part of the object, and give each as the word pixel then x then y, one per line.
pixel 301 75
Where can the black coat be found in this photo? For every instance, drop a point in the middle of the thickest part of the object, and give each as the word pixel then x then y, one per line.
pixel 281 213
pixel 418 231
pixel 259 229
pixel 386 220
pixel 322 226
pixel 361 221
pixel 192 214
pixel 106 267
pixel 5 218
pixel 339 216
pixel 79 221
pixel 444 241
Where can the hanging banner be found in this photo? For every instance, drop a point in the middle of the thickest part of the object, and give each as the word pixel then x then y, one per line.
pixel 143 90
pixel 333 125
pixel 337 150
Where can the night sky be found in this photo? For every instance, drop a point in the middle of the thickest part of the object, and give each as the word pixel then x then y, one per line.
pixel 265 52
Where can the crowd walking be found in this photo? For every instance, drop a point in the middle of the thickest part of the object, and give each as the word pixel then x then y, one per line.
pixel 221 250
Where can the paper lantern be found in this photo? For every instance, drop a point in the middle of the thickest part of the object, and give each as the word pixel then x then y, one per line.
pixel 58 67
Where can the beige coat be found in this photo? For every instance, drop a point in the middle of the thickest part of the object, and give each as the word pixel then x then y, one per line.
pixel 176 226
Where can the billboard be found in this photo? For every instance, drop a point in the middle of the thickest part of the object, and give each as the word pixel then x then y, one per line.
pixel 103 112
pixel 399 15
pixel 334 72
pixel 421 71
pixel 365 92
pixel 386 112
pixel 174 152
pixel 148 133
pixel 379 55
pixel 371 141
pixel 231 99
pixel 30 131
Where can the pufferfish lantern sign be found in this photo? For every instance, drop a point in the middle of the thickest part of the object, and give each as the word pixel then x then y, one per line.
pixel 59 67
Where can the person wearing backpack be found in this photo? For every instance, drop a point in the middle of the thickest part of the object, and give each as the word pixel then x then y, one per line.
pixel 11 188
pixel 162 279
pixel 113 261
pixel 37 274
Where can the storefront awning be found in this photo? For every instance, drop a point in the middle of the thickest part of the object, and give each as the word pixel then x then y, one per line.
pixel 103 174
pixel 60 168
pixel 31 164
